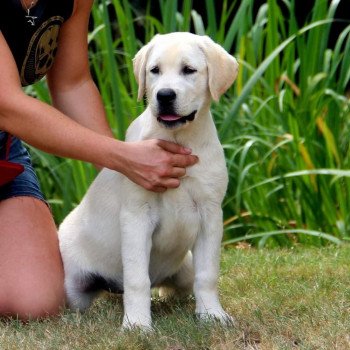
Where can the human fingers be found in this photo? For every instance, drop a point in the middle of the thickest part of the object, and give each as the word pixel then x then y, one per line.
pixel 173 147
pixel 171 182
pixel 183 161
pixel 158 189
pixel 162 185
pixel 177 172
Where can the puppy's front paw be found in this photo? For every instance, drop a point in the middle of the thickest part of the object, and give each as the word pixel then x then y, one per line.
pixel 137 323
pixel 217 316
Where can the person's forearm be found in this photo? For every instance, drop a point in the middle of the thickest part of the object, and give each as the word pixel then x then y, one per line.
pixel 48 129
pixel 83 104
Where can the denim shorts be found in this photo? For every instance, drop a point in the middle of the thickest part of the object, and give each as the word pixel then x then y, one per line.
pixel 25 184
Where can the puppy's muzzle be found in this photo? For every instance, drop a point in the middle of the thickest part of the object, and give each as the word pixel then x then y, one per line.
pixel 167 112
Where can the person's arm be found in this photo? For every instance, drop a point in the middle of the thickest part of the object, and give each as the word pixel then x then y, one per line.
pixel 153 164
pixel 72 89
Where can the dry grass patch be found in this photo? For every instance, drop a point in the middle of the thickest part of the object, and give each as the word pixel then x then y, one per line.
pixel 282 299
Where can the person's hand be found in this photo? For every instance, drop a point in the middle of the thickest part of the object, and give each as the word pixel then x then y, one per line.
pixel 156 165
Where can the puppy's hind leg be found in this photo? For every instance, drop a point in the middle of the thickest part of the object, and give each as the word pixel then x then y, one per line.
pixel 181 284
pixel 79 298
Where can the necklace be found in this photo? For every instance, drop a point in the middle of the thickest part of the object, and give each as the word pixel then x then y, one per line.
pixel 30 19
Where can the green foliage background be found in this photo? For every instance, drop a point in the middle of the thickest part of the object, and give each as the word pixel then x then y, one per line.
pixel 284 124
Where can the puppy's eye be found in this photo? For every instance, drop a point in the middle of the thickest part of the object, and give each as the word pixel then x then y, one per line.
pixel 155 70
pixel 188 70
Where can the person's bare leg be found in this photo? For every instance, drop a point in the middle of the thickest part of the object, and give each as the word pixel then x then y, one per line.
pixel 31 270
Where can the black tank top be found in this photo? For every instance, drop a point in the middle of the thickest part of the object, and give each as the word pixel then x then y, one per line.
pixel 33 40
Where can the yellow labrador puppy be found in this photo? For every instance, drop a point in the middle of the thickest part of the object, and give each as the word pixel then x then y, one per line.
pixel 123 238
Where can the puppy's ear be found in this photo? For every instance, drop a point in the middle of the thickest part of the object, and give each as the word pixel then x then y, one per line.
pixel 139 63
pixel 222 67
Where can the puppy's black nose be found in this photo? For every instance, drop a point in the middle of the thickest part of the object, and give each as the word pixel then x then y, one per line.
pixel 166 95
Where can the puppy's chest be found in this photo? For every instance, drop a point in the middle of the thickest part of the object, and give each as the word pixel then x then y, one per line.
pixel 179 220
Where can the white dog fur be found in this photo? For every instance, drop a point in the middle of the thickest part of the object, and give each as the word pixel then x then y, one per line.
pixel 124 238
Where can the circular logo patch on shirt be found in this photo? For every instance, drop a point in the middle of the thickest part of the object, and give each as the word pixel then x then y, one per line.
pixel 41 51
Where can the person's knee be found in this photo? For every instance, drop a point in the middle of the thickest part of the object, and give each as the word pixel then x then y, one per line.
pixel 31 270
pixel 29 303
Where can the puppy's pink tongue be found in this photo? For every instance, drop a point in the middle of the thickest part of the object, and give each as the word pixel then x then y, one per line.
pixel 169 117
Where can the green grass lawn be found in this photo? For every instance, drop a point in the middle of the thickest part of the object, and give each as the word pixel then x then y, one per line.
pixel 282 299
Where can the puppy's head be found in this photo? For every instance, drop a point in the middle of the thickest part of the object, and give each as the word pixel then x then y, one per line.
pixel 179 72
